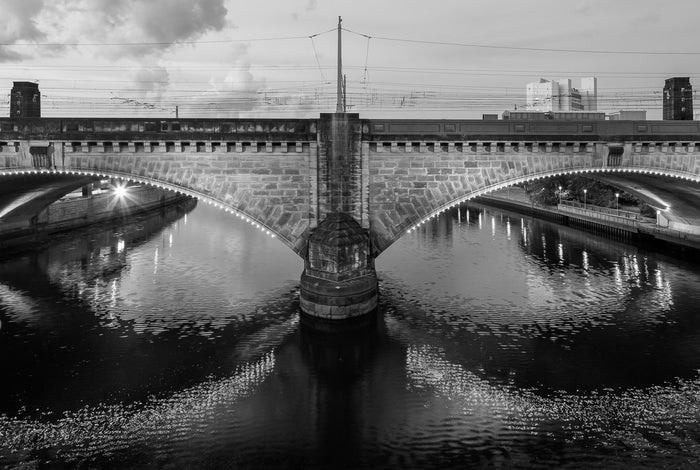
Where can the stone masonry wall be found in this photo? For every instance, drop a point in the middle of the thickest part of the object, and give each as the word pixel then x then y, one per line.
pixel 269 183
pixel 410 181
pixel 282 185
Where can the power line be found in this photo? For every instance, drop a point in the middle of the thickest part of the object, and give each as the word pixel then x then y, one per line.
pixel 516 48
pixel 158 43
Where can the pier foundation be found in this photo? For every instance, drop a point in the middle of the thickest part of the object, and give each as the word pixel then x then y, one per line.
pixel 339 281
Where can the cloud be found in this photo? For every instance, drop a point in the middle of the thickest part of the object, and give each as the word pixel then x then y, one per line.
pixel 236 92
pixel 311 5
pixel 17 23
pixel 17 20
pixel 583 6
pixel 150 88
pixel 96 21
pixel 178 20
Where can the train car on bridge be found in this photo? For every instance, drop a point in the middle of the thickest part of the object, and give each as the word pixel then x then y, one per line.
pixel 553 115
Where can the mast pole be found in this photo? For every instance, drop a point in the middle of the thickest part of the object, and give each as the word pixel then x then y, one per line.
pixel 339 108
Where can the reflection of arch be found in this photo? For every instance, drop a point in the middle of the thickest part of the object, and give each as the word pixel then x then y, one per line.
pixel 542 175
pixel 161 185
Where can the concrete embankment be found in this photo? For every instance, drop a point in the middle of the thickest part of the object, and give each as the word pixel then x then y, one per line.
pixel 79 212
pixel 643 232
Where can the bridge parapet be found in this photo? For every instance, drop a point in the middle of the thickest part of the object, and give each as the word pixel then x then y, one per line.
pixel 158 129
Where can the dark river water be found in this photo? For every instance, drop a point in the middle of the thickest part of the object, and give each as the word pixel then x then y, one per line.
pixel 501 342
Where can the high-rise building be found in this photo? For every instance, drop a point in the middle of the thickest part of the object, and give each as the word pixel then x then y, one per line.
pixel 25 100
pixel 541 96
pixel 589 93
pixel 678 99
pixel 559 95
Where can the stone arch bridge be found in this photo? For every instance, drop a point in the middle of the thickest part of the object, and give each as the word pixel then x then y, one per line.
pixel 372 180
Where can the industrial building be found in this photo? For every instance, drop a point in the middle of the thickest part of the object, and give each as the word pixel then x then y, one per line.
pixel 559 95
pixel 678 99
pixel 25 100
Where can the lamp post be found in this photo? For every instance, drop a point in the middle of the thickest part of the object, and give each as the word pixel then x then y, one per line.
pixel 617 203
pixel 560 195
pixel 584 199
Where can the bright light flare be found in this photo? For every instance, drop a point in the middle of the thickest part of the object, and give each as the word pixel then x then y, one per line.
pixel 120 191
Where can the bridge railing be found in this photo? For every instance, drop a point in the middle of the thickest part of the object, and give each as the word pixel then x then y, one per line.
pixel 603 210
pixel 602 213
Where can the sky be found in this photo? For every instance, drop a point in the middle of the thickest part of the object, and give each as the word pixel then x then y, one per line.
pixel 401 58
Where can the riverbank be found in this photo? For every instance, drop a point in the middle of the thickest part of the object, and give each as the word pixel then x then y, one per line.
pixel 644 231
pixel 75 213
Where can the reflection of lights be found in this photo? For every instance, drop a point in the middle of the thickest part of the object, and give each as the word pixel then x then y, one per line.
pixel 584 253
pixel 170 240
pixel 508 229
pixel 618 275
pixel 113 296
pixel 120 246
pixel 493 226
pixel 560 252
pixel 588 415
pixel 190 410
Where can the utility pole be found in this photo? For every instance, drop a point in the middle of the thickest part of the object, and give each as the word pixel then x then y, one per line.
pixel 339 108
pixel 345 91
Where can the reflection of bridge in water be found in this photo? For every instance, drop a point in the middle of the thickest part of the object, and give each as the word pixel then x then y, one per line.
pixel 339 190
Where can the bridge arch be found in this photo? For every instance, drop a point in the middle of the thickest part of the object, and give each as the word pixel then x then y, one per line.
pixel 222 205
pixel 417 222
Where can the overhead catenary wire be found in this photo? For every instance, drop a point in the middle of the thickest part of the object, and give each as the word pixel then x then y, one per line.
pixel 287 94
pixel 158 43
pixel 522 48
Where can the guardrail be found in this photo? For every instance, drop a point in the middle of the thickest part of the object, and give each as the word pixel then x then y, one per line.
pixel 604 210
pixel 602 213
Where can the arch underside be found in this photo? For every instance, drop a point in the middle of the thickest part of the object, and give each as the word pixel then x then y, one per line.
pixel 77 177
pixel 26 195
pixel 647 182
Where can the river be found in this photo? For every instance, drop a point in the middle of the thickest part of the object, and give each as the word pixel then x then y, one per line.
pixel 174 341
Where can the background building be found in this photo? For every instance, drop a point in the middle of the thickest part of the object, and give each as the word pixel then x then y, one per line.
pixel 25 100
pixel 589 93
pixel 628 115
pixel 678 99
pixel 559 95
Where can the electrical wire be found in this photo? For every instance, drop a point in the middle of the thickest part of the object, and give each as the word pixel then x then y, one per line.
pixel 520 48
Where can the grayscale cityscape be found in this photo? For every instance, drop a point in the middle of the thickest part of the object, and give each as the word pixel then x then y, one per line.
pixel 349 235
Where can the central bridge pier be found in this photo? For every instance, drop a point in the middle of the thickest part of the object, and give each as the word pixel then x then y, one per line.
pixel 339 280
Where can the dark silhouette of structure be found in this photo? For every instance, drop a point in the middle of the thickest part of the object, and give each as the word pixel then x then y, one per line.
pixel 25 100
pixel 678 99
